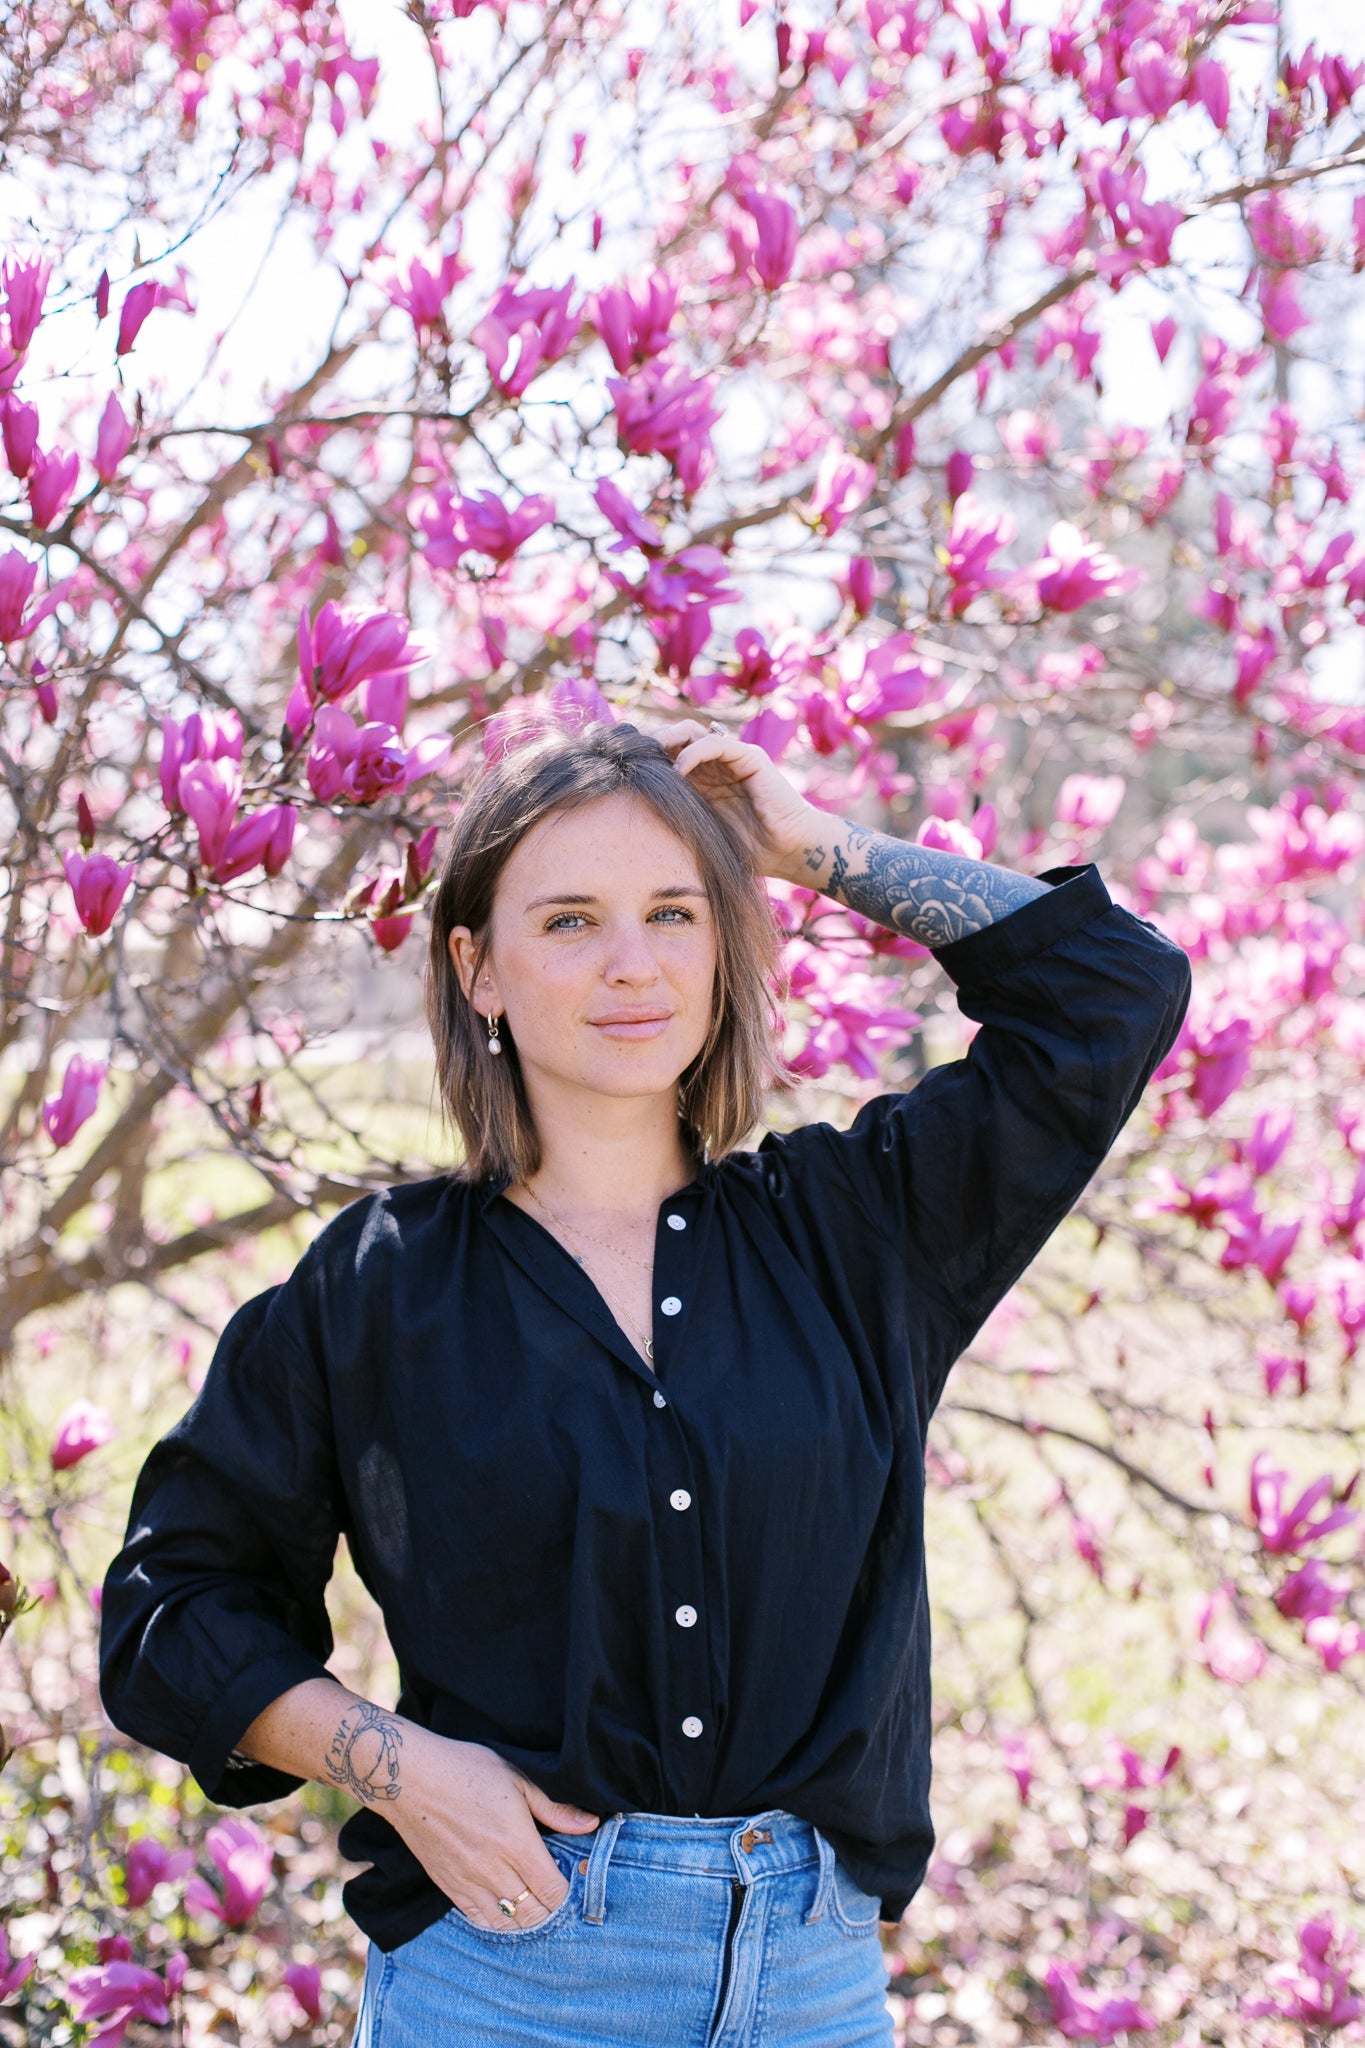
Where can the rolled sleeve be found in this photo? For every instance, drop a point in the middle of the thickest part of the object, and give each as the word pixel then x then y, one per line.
pixel 970 1172
pixel 215 1605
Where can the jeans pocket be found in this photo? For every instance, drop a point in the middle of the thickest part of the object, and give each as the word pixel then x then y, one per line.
pixel 567 1853
pixel 856 1911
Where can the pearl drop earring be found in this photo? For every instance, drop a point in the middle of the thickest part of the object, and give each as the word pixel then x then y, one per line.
pixel 494 1042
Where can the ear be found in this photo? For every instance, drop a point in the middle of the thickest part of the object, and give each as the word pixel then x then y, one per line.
pixel 464 951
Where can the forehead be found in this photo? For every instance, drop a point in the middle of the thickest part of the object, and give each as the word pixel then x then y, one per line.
pixel 614 844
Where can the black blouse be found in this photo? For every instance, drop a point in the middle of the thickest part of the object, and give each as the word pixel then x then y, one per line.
pixel 696 1592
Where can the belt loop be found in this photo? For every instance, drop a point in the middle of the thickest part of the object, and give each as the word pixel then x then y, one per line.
pixel 595 1890
pixel 824 1883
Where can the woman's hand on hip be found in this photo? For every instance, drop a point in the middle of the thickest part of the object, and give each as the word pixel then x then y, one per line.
pixel 470 1820
pixel 773 819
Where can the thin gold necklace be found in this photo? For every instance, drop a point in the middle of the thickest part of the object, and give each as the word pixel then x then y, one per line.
pixel 578 1258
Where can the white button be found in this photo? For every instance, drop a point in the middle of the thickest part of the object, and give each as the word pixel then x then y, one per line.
pixel 681 1499
pixel 692 1726
pixel 676 1222
pixel 671 1305
pixel 686 1617
pixel 659 1401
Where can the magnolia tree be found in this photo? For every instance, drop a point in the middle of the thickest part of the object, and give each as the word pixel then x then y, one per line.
pixel 966 407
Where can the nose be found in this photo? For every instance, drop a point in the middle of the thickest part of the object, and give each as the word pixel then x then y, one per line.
pixel 630 960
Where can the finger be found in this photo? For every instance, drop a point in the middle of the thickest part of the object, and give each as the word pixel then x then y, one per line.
pixel 711 747
pixel 674 736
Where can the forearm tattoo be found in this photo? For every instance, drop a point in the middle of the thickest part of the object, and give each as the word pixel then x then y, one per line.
pixel 364 1755
pixel 926 895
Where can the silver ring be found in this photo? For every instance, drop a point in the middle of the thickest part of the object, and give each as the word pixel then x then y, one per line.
pixel 714 725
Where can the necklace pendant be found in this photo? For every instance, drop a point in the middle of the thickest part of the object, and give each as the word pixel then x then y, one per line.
pixel 649 1347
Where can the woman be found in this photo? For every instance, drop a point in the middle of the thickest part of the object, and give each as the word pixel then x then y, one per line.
pixel 625 1426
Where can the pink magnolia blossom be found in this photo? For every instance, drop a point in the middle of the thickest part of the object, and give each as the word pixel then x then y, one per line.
pixel 1089 2016
pixel 1143 230
pixel 975 537
pixel 51 481
pixel 1157 79
pixel 120 1991
pixel 1229 1652
pixel 853 1017
pixel 1311 1592
pixel 384 893
pixel 1334 1639
pixel 1278 293
pixel 1291 1528
pixel 341 649
pixel 1283 232
pixel 1340 82
pixel 695 576
pixel 843 483
pixel 1074 572
pixel 634 529
pixel 305 1981
pixel 634 324
pixel 1128 1771
pixel 1209 89
pixel 1062 328
pixel 365 762
pixel 25 282
pixel 14 1973
pixel 1252 1241
pixel 664 410
pixel 19 428
pixel 1018 1761
pixel 63 1114
pixel 81 1429
pixel 1277 1371
pixel 523 331
pixel 99 886
pixel 150 1863
pixel 776 233
pixel 958 473
pixel 456 527
pixel 887 677
pixel 142 299
pixel 267 838
pixel 203 736
pixel 1222 1059
pixel 1090 802
pixel 1164 332
pixel 113 441
pixel 243 1858
pixel 1314 1992
pixel 424 289
pixel 210 792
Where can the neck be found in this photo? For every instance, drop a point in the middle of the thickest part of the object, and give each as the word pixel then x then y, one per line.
pixel 602 1153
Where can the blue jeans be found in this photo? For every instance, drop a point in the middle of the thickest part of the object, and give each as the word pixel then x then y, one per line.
pixel 675 1933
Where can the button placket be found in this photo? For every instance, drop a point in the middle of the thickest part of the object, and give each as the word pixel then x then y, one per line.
pixel 688 1688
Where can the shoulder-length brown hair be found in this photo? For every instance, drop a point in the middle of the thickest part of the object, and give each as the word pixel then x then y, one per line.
pixel 554 770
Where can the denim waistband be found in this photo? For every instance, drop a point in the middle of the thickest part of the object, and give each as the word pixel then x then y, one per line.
pixel 744 1848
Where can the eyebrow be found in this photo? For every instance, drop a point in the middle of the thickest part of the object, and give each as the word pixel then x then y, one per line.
pixel 669 894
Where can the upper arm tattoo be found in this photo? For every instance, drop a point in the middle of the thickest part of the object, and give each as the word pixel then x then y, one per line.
pixel 929 896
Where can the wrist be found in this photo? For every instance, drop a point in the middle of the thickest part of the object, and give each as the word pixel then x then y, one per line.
pixel 807 855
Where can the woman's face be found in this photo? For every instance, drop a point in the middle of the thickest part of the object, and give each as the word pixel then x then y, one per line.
pixel 602 954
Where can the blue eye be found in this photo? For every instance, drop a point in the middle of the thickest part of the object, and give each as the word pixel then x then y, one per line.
pixel 561 920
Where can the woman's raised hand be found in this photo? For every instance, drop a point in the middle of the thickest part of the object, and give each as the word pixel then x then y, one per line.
pixel 772 817
pixel 470 1820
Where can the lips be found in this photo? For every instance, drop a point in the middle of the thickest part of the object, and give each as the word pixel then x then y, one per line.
pixel 633 1017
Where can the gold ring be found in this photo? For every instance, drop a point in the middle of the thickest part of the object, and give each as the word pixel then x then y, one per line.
pixel 509 1906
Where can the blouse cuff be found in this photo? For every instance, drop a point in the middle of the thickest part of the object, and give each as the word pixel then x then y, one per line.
pixel 224 1776
pixel 1076 898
